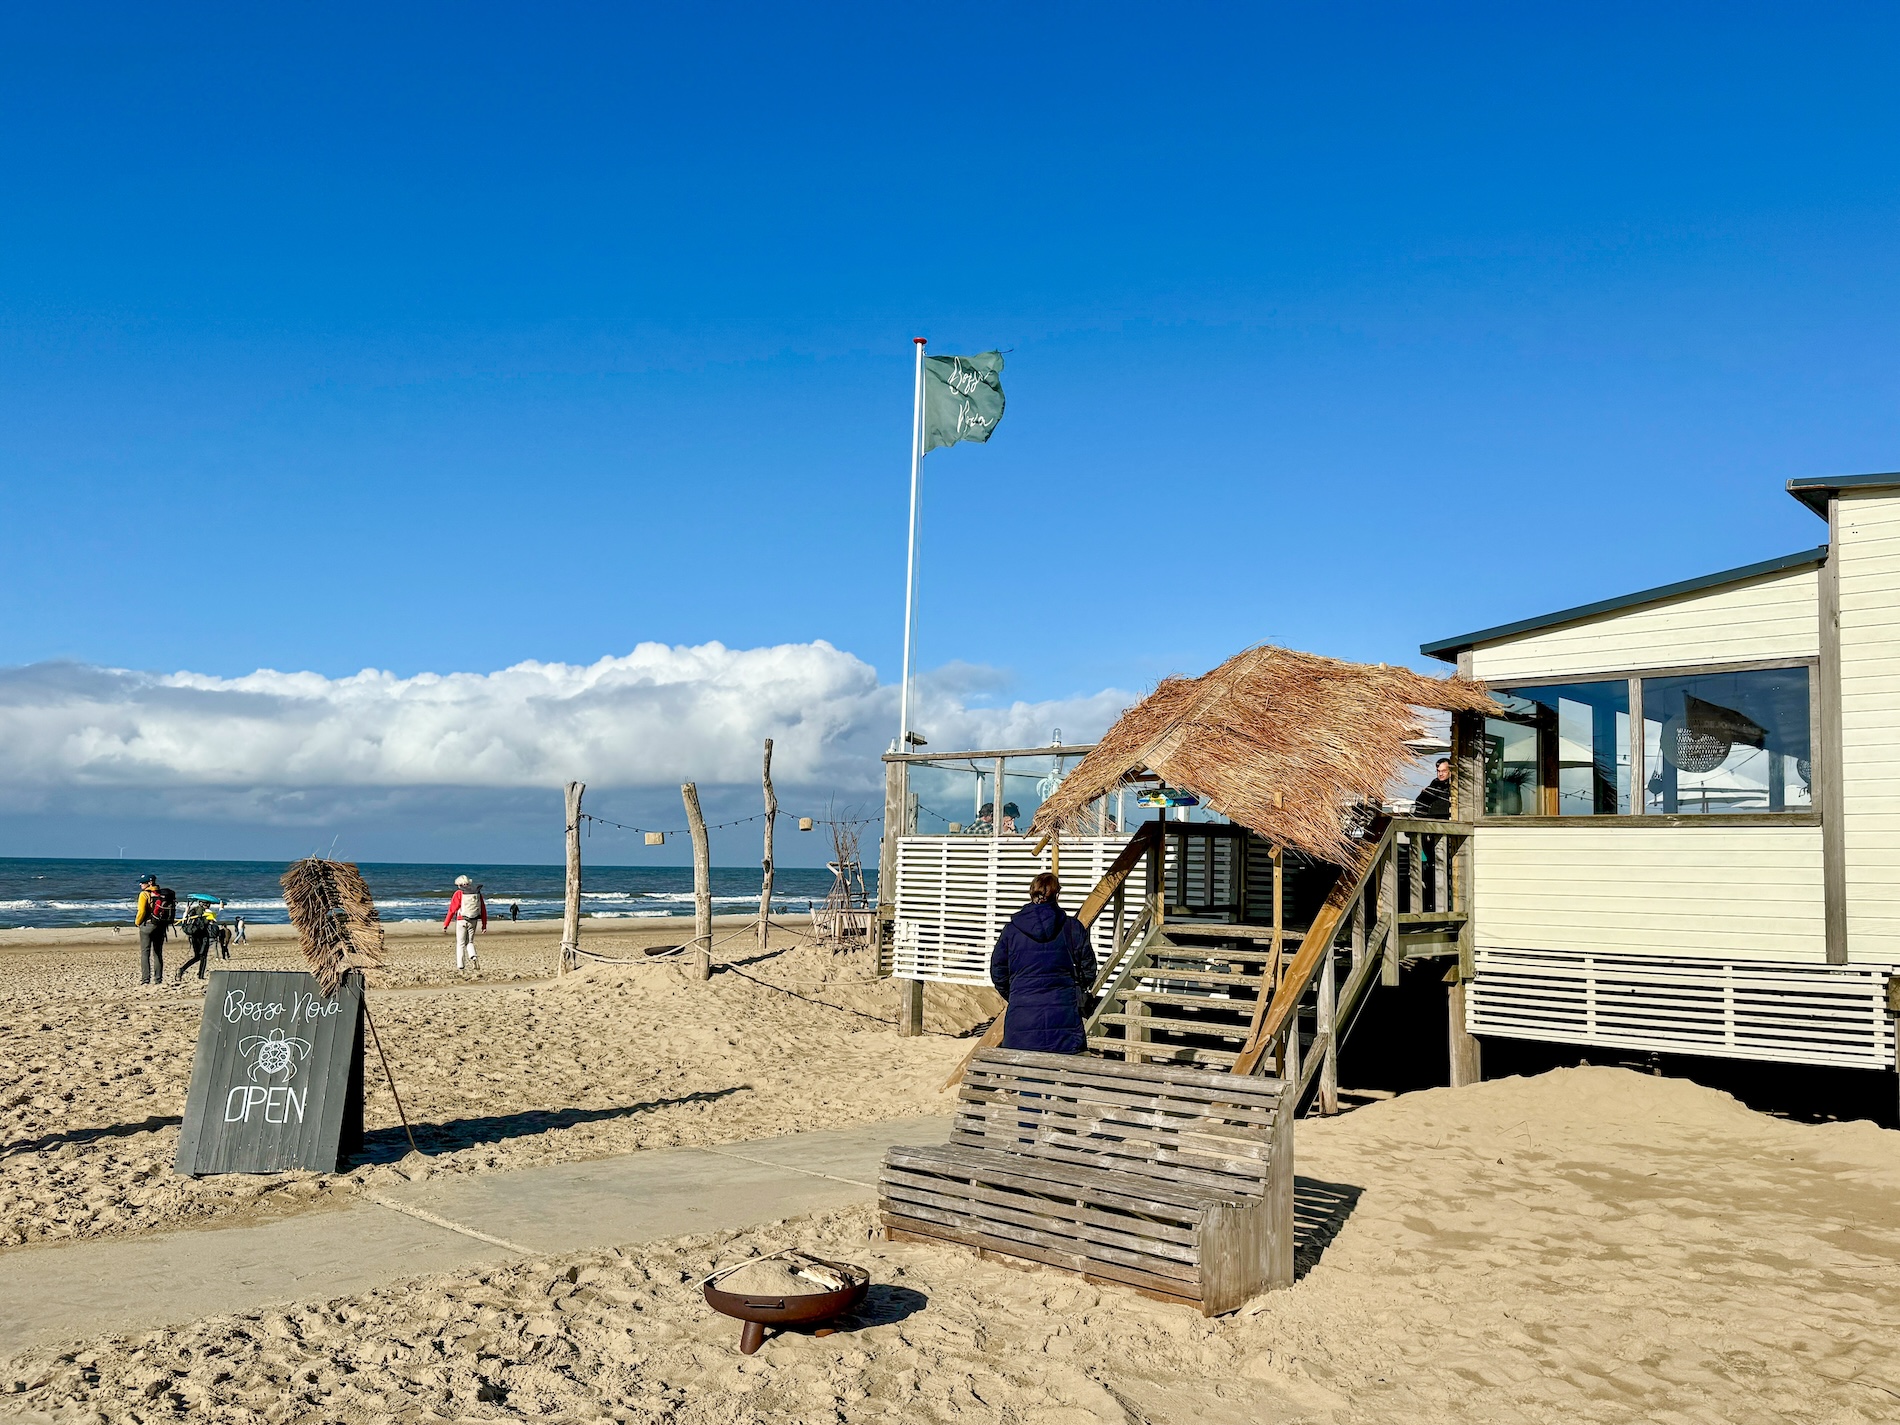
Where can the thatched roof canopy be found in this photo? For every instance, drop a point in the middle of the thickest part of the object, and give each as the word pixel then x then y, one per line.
pixel 1284 743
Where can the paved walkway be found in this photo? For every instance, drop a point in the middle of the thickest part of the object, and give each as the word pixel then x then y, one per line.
pixel 457 1220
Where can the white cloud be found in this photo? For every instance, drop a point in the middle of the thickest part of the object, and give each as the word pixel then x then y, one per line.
pixel 652 718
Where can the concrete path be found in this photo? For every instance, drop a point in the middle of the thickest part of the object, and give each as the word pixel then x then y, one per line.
pixel 458 1220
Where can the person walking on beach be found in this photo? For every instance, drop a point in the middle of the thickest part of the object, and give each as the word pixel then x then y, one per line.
pixel 198 936
pixel 1042 966
pixel 466 908
pixel 153 918
pixel 514 910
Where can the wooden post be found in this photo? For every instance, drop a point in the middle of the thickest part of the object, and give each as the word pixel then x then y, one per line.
pixel 570 956
pixel 702 883
pixel 1466 1065
pixel 910 1008
pixel 1830 796
pixel 771 819
pixel 1327 1028
pixel 896 788
pixel 996 805
pixel 1278 853
pixel 1389 912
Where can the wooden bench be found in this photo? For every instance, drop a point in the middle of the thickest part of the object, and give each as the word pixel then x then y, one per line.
pixel 1173 1180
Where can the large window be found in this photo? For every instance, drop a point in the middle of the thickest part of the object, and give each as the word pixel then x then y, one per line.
pixel 1564 750
pixel 1711 743
pixel 1727 742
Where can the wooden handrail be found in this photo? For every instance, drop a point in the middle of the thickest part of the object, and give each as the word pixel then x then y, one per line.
pixel 1431 828
pixel 1317 945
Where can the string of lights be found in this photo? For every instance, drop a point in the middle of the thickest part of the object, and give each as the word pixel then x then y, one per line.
pixel 723 825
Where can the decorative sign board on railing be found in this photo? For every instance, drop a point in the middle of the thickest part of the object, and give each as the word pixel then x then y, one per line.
pixel 277 1080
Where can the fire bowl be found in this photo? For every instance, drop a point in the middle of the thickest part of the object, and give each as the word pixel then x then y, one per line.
pixel 759 1312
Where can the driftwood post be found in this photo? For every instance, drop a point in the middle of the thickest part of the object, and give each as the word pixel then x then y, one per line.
pixel 571 915
pixel 771 817
pixel 702 883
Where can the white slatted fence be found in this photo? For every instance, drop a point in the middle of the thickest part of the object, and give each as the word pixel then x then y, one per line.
pixel 1733 1009
pixel 955 894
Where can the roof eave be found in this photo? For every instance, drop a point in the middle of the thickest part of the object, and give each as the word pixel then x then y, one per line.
pixel 1448 649
pixel 1814 492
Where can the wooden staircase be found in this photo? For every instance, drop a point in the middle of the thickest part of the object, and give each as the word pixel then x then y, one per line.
pixel 1252 999
pixel 1186 993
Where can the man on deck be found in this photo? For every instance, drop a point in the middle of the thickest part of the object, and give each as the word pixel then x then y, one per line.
pixel 1433 804
pixel 466 908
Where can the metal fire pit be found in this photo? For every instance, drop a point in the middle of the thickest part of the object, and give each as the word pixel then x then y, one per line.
pixel 759 1312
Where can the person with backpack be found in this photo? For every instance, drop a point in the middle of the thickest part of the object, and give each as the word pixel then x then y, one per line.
pixel 466 907
pixel 157 908
pixel 197 927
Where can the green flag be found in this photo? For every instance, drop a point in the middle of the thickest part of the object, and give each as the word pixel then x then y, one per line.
pixel 963 398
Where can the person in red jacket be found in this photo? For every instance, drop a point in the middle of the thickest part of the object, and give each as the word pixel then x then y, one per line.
pixel 466 909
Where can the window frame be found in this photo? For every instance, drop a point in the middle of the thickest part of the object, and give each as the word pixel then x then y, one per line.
pixel 1634 677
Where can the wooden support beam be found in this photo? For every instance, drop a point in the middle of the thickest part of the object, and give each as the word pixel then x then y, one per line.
pixel 1324 1042
pixel 910 1009
pixel 1825 701
pixel 1388 910
pixel 996 805
pixel 1466 1061
pixel 896 789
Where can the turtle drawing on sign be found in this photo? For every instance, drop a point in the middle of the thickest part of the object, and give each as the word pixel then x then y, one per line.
pixel 276 1054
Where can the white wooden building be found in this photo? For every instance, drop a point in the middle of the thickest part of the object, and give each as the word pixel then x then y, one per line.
pixel 1726 880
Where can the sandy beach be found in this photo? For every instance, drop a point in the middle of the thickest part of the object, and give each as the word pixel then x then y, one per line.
pixel 495 1071
pixel 1589 1244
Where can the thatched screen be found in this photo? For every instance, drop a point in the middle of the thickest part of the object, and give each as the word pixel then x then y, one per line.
pixel 1284 743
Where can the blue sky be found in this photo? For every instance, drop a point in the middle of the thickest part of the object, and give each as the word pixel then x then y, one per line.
pixel 436 339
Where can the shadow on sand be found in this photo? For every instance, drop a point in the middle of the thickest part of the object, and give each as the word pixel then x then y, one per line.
pixel 1320 1211
pixel 387 1145
pixel 89 1135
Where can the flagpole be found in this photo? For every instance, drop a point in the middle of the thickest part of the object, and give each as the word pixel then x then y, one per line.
pixel 910 567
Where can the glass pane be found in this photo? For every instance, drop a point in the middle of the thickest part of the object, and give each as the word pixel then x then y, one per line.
pixel 1511 783
pixel 1564 751
pixel 1727 742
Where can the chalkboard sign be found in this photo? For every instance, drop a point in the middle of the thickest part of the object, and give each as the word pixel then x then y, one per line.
pixel 277 1081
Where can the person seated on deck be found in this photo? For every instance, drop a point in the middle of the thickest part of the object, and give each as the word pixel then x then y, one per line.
pixel 1042 966
pixel 985 823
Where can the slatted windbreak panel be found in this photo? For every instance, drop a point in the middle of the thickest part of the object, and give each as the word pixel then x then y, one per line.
pixel 1732 1009
pixel 955 894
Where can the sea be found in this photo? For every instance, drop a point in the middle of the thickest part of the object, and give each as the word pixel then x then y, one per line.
pixel 45 894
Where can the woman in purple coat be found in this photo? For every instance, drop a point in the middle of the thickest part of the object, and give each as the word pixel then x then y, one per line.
pixel 1042 966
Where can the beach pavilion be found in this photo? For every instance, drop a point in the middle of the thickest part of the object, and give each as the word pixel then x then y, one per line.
pixel 1689 837
pixel 1242 924
pixel 1675 830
